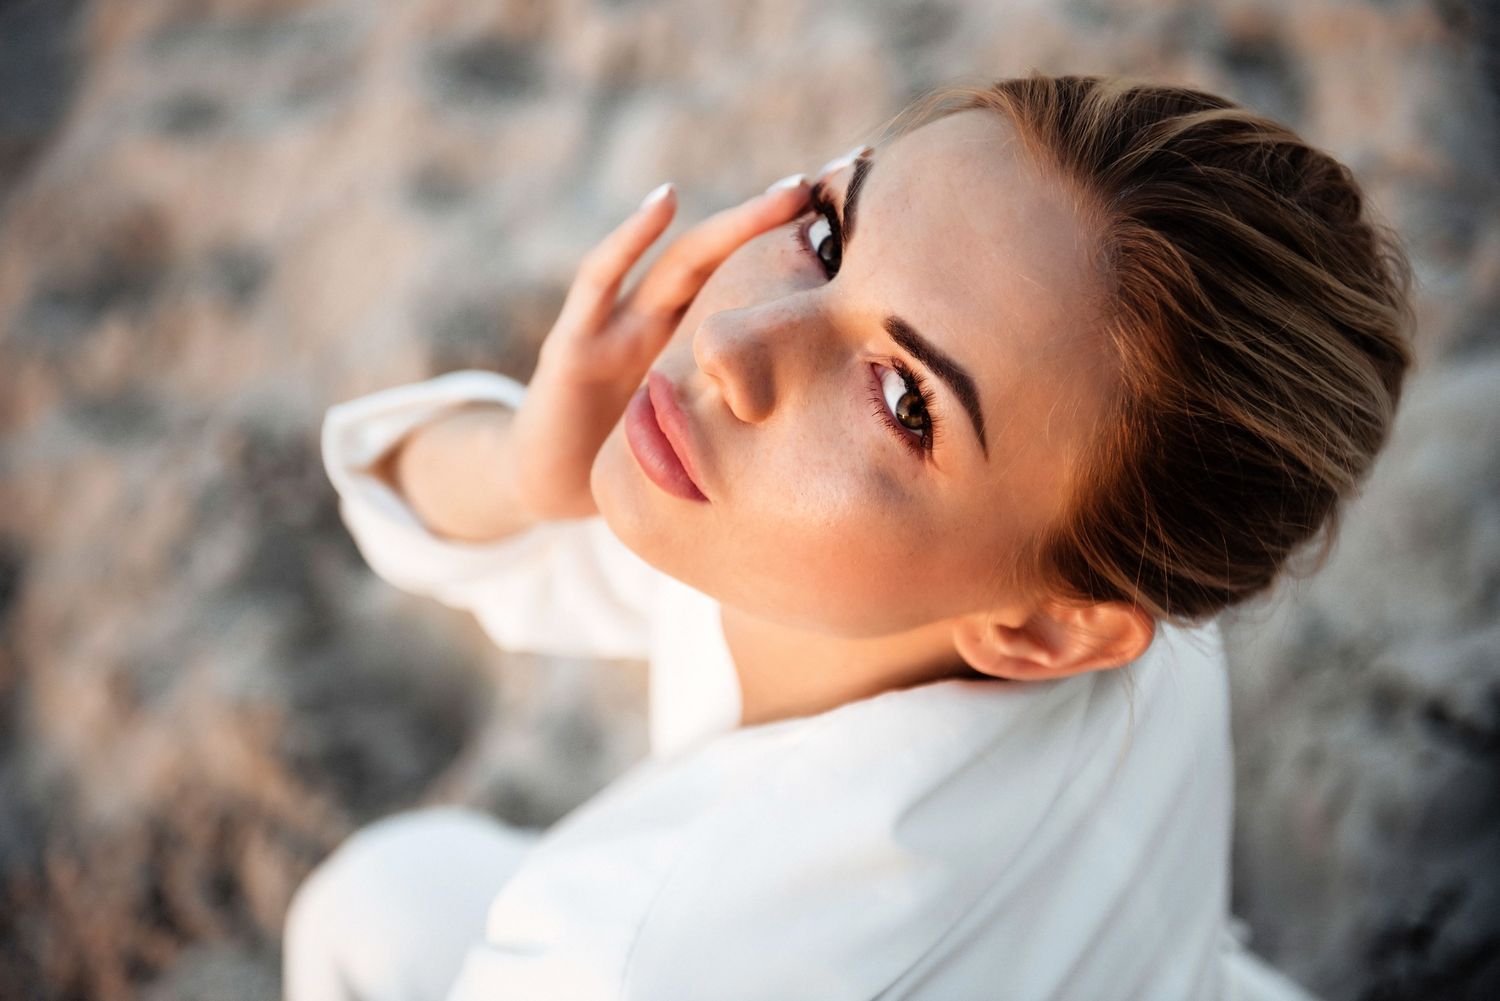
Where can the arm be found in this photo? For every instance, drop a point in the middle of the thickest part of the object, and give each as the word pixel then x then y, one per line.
pixel 455 473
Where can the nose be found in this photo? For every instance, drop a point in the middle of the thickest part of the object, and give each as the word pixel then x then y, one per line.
pixel 760 354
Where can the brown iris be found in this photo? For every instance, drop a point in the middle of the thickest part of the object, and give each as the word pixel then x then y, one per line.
pixel 829 254
pixel 910 411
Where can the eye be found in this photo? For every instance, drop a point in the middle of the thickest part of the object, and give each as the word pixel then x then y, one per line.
pixel 821 238
pixel 903 403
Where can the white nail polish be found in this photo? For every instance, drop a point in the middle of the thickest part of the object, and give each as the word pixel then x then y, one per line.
pixel 789 181
pixel 840 162
pixel 657 194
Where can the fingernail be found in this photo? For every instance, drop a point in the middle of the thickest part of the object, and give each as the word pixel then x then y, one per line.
pixel 789 181
pixel 657 194
pixel 840 162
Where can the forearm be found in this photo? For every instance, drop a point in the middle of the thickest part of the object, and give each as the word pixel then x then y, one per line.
pixel 457 472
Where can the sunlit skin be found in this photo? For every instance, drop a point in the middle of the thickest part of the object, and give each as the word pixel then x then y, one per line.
pixel 845 563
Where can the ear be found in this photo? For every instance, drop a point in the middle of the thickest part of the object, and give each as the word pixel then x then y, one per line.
pixel 1053 640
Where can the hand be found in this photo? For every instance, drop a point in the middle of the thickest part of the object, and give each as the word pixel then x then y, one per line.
pixel 600 348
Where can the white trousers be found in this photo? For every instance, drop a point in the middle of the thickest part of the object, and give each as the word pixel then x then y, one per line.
pixel 391 913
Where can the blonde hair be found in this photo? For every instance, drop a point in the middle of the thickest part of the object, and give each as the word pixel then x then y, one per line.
pixel 1259 320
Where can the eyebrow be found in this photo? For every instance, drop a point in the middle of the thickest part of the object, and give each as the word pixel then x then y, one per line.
pixel 862 167
pixel 904 334
pixel 945 368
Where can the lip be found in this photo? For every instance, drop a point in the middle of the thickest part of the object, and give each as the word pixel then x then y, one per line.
pixel 660 436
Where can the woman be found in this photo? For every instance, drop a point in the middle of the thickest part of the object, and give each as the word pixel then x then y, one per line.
pixel 920 489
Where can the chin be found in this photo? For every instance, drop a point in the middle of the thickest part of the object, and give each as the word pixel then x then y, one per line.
pixel 633 508
pixel 618 487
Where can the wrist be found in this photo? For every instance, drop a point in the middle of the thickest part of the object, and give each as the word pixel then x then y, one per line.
pixel 458 475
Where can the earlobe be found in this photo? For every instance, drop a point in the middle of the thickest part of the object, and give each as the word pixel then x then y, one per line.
pixel 1054 641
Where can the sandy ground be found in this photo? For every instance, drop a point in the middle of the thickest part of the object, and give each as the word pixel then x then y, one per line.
pixel 218 218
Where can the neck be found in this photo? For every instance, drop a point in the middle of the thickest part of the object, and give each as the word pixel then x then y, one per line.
pixel 785 671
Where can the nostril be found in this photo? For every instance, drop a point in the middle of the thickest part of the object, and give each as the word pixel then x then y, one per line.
pixel 742 349
pixel 731 393
pixel 729 396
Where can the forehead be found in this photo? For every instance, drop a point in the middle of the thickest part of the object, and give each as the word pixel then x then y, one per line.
pixel 961 235
pixel 974 236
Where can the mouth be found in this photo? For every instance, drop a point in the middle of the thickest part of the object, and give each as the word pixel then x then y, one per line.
pixel 660 437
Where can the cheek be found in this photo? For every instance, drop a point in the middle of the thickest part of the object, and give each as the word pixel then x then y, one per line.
pixel 839 549
pixel 821 534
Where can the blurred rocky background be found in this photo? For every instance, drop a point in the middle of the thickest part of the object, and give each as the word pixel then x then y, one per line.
pixel 217 218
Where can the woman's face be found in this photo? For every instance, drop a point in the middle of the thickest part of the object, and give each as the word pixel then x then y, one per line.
pixel 788 366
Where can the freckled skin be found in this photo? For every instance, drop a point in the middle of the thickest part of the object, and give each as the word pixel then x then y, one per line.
pixel 821 521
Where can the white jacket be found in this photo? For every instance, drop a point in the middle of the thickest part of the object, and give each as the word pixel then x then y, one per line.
pixel 961 839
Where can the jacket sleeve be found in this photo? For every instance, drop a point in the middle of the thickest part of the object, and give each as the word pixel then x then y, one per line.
pixel 563 588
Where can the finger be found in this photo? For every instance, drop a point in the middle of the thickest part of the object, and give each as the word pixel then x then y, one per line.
pixel 838 163
pixel 685 265
pixel 596 283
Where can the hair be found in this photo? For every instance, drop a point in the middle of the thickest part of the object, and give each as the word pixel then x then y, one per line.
pixel 1259 321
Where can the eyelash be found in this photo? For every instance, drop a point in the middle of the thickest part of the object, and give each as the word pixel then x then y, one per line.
pixel 922 444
